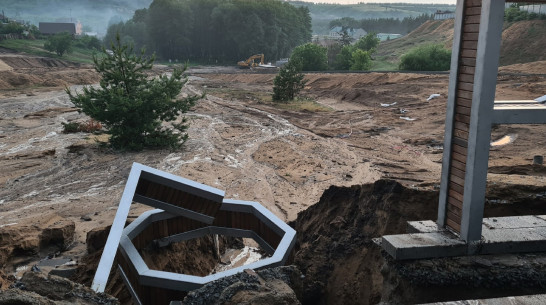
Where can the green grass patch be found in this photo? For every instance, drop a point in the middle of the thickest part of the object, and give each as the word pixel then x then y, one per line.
pixel 381 64
pixel 302 104
pixel 36 47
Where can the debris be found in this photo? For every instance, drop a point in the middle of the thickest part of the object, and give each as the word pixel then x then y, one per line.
pixel 407 118
pixel 507 139
pixel 433 96
pixel 403 110
pixel 388 105
pixel 541 99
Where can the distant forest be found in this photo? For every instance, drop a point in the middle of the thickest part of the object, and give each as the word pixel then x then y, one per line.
pixel 322 14
pixel 216 31
pixel 383 25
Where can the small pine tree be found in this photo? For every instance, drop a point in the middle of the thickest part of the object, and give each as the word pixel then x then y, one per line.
pixel 130 105
pixel 289 81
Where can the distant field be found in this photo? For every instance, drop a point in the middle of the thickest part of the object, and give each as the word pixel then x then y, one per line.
pixel 36 47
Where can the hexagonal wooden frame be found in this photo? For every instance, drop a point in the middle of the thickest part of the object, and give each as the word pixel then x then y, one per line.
pixel 198 210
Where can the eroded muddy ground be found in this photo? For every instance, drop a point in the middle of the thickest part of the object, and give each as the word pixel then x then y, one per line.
pixel 356 129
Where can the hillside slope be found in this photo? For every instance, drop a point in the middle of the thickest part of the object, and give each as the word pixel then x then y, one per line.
pixel 522 41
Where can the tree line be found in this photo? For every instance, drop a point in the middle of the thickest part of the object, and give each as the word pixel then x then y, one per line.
pixel 382 25
pixel 216 31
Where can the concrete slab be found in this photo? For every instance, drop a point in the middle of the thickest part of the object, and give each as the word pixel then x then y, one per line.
pixel 516 234
pixel 423 245
pixel 423 226
pixel 514 222
pixel 537 299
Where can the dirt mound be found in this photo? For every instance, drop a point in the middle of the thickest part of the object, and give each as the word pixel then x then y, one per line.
pixel 523 42
pixel 34 236
pixel 432 31
pixel 37 288
pixel 15 79
pixel 537 67
pixel 269 286
pixel 28 62
pixel 335 251
pixel 4 66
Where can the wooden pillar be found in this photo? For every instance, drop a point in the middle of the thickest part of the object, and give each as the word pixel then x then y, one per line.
pixel 473 79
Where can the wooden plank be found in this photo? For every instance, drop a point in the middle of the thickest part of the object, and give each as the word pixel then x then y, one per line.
pixel 457 180
pixel 460 142
pixel 466 95
pixel 454 210
pixel 462 126
pixel 458 165
pixel 469 53
pixel 459 149
pixel 467 78
pixel 460 109
pixel 456 188
pixel 467 69
pixel 457 172
pixel 462 118
pixel 462 101
pixel 470 36
pixel 455 202
pixel 470 44
pixel 473 3
pixel 468 61
pixel 460 134
pixel 457 195
pixel 473 11
pixel 465 86
pixel 453 216
pixel 472 19
pixel 457 156
pixel 453 225
pixel 471 28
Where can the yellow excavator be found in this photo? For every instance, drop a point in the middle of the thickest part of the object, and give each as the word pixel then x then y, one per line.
pixel 251 62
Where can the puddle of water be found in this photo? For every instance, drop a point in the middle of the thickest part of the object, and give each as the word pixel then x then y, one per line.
pixel 238 257
pixel 507 139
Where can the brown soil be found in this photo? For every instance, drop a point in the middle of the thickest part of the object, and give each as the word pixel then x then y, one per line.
pixel 240 142
pixel 522 42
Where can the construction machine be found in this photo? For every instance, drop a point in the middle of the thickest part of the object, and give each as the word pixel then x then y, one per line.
pixel 251 61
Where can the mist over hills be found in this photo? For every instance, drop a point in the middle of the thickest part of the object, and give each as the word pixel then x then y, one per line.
pixel 95 15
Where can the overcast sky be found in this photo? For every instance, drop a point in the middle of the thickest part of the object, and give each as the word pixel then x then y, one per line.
pixel 382 1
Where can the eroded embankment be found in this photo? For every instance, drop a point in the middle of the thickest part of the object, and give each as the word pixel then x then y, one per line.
pixel 342 265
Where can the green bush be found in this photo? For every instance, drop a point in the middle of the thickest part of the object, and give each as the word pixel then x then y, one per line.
pixel 368 43
pixel 361 60
pixel 344 57
pixel 313 57
pixel 131 106
pixel 430 57
pixel 89 42
pixel 289 81
pixel 59 43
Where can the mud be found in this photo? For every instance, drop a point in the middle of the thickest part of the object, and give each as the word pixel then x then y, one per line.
pixel 284 158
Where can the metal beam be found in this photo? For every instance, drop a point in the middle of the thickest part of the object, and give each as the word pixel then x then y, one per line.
pixel 110 249
pixel 450 113
pixel 173 209
pixel 485 81
pixel 519 115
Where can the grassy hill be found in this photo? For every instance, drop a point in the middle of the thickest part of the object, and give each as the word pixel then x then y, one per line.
pixel 522 42
pixel 95 15
pixel 36 47
pixel 322 13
